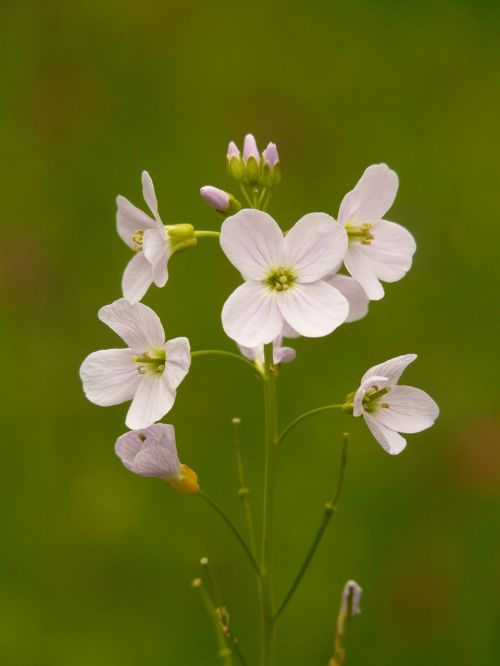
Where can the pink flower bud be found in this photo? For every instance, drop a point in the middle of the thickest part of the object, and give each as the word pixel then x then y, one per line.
pixel 232 150
pixel 270 155
pixel 216 198
pixel 250 148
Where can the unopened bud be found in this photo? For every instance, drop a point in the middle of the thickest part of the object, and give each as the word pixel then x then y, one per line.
pixel 186 481
pixel 180 236
pixel 271 172
pixel 270 155
pixel 221 201
pixel 250 148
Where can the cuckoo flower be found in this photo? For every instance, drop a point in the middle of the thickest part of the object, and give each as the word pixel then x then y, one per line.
pixel 147 372
pixel 152 452
pixel 280 354
pixel 284 277
pixel 378 249
pixel 388 408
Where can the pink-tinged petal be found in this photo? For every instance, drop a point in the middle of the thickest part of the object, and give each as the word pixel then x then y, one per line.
pixel 250 148
pixel 391 251
pixel 148 192
pixel 389 440
pixel 253 243
pixel 137 278
pixel 232 150
pixel 109 377
pixel 153 399
pixel 137 324
pixel 150 451
pixel 315 245
pixel 355 294
pixel 270 155
pixel 215 197
pixel 156 251
pixel 410 410
pixel 374 195
pixel 282 354
pixel 130 219
pixel 361 269
pixel 178 360
pixel 251 316
pixel 376 382
pixel 314 309
pixel 392 369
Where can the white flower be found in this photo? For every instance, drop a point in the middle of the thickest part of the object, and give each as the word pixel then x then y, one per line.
pixel 152 452
pixel 354 293
pixel 148 237
pixel 378 249
pixel 148 372
pixel 284 277
pixel 280 354
pixel 389 409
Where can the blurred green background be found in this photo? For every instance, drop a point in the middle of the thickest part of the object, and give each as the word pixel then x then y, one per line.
pixel 95 563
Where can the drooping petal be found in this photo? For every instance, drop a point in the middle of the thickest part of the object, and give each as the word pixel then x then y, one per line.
pixel 361 269
pixel 351 599
pixel 156 251
pixel 376 382
pixel 178 360
pixel 148 192
pixel 389 440
pixel 149 451
pixel 251 316
pixel 410 410
pixel 137 278
pixel 374 195
pixel 391 252
pixel 392 369
pixel 137 324
pixel 153 399
pixel 109 377
pixel 130 219
pixel 282 354
pixel 253 243
pixel 314 309
pixel 355 294
pixel 315 246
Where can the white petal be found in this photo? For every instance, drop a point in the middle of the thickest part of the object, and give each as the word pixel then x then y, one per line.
pixel 316 245
pixel 155 247
pixel 109 377
pixel 392 369
pixel 391 252
pixel 251 316
pixel 389 440
pixel 178 360
pixel 314 309
pixel 283 354
pixel 152 400
pixel 410 410
pixel 255 354
pixel 361 269
pixel 373 381
pixel 374 195
pixel 289 332
pixel 137 278
pixel 355 294
pixel 253 243
pixel 149 451
pixel 137 324
pixel 148 192
pixel 129 219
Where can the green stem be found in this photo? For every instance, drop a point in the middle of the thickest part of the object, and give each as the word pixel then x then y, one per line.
pixel 206 234
pixel 243 490
pixel 272 441
pixel 223 652
pixel 233 529
pixel 330 509
pixel 261 197
pixel 306 415
pixel 245 194
pixel 267 201
pixel 219 352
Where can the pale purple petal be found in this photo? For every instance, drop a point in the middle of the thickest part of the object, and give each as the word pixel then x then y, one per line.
pixel 375 194
pixel 153 399
pixel 148 192
pixel 410 410
pixel 270 155
pixel 253 243
pixel 137 278
pixel 355 294
pixel 250 148
pixel 156 251
pixel 361 269
pixel 251 316
pixel 109 377
pixel 216 198
pixel 232 150
pixel 392 369
pixel 149 451
pixel 315 245
pixel 389 440
pixel 282 354
pixel 314 309
pixel 130 219
pixel 137 324
pixel 178 360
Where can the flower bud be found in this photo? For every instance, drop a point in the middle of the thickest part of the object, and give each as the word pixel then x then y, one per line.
pixel 270 155
pixel 180 236
pixel 271 171
pixel 186 480
pixel 235 166
pixel 251 159
pixel 221 201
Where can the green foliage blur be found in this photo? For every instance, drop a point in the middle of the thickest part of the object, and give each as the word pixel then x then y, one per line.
pixel 95 563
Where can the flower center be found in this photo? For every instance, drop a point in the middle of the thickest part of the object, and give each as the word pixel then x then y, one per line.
pixel 360 233
pixel 280 278
pixel 138 237
pixel 152 361
pixel 371 401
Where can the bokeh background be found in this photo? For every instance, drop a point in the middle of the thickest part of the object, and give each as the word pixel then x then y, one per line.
pixel 95 563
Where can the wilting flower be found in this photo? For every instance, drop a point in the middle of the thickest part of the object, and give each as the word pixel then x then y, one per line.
pixel 147 372
pixel 378 249
pixel 280 354
pixel 351 599
pixel 388 408
pixel 284 277
pixel 152 452
pixel 219 199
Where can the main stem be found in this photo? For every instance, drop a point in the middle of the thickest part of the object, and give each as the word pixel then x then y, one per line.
pixel 272 441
